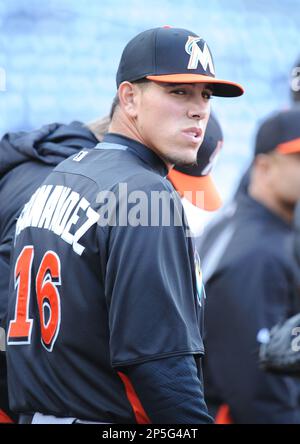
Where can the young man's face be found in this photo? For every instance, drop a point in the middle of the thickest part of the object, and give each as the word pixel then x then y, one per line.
pixel 285 177
pixel 171 119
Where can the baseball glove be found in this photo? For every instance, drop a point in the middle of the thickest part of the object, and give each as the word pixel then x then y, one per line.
pixel 281 354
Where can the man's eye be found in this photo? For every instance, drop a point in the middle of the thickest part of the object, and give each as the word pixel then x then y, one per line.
pixel 207 95
pixel 179 92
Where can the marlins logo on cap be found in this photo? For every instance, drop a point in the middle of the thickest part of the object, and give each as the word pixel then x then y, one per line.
pixel 199 55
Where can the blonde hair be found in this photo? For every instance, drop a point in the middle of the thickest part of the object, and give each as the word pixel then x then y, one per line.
pixel 99 127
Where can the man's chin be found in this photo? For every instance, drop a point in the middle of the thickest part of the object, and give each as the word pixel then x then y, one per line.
pixel 183 161
pixel 186 163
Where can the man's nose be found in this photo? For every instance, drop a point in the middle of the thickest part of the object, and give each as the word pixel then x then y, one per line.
pixel 198 110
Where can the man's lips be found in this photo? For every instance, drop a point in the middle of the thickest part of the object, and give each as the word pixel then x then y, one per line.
pixel 193 133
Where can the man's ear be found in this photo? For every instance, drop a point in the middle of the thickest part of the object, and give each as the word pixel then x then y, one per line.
pixel 129 97
pixel 263 162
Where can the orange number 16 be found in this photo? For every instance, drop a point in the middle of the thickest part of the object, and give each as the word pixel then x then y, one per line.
pixel 48 299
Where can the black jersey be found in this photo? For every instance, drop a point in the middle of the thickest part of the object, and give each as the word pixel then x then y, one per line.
pixel 94 288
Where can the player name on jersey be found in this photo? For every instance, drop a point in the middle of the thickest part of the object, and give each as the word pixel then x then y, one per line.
pixel 60 210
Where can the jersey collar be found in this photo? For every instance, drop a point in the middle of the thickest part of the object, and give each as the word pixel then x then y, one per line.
pixel 249 207
pixel 140 150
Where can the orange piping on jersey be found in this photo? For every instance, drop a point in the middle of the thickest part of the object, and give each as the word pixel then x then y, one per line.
pixel 4 418
pixel 223 415
pixel 139 412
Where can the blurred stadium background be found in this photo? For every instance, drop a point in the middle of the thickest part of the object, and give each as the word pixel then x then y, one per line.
pixel 58 60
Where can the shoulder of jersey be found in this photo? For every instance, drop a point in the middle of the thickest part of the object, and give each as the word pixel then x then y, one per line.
pixel 108 167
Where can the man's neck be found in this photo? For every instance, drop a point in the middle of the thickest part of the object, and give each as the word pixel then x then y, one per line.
pixel 281 209
pixel 126 128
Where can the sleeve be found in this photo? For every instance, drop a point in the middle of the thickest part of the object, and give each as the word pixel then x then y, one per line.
pixel 154 383
pixel 150 288
pixel 239 307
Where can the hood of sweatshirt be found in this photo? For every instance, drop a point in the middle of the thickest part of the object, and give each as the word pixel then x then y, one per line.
pixel 50 144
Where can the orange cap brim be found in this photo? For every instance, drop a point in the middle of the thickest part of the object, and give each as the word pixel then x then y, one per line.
pixel 293 146
pixel 224 88
pixel 199 190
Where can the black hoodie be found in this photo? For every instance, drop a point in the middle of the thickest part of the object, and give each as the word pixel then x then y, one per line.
pixel 26 158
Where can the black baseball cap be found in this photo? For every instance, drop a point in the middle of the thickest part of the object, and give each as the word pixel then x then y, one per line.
pixel 192 179
pixel 172 55
pixel 280 132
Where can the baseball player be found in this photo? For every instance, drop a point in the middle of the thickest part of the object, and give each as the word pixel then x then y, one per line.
pixel 44 148
pixel 98 340
pixel 250 287
pixel 278 353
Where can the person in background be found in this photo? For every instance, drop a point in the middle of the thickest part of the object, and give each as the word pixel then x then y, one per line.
pixel 278 353
pixel 250 286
